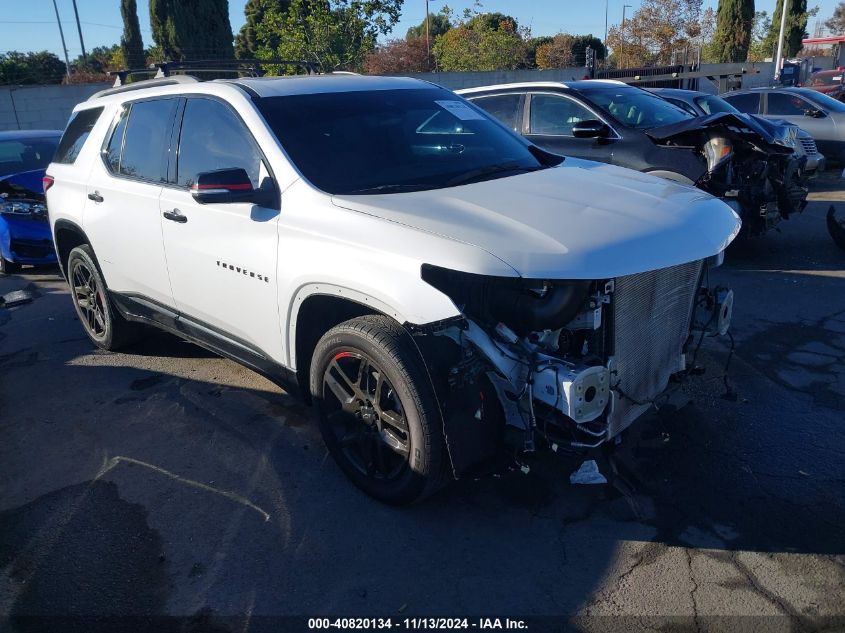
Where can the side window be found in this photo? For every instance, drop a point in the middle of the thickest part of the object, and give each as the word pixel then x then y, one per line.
pixel 213 137
pixel 503 107
pixel 748 102
pixel 555 115
pixel 787 104
pixel 76 133
pixel 112 153
pixel 146 138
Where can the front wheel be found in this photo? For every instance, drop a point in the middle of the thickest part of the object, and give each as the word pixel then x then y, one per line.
pixel 378 414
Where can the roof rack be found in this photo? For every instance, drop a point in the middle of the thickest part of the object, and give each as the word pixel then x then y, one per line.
pixel 144 83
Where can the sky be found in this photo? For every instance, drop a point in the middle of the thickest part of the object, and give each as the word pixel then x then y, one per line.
pixel 30 25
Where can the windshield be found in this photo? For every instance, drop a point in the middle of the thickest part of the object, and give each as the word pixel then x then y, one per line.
pixel 636 108
pixel 715 105
pixel 26 154
pixel 822 100
pixel 388 141
pixel 830 79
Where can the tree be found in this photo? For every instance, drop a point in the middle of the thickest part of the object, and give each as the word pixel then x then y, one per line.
pixel 438 24
pixel 399 57
pixel 334 34
pixel 657 33
pixel 482 43
pixel 192 29
pixel 836 23
pixel 796 27
pixel 734 22
pixel 759 33
pixel 557 53
pixel 131 42
pixel 247 42
pixel 101 59
pixel 579 48
pixel 31 68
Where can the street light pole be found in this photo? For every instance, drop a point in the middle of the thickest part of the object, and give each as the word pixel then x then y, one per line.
pixel 62 34
pixel 606 3
pixel 622 36
pixel 778 57
pixel 427 38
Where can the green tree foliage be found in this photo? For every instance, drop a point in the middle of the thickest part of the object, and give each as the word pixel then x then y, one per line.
pixel 192 29
pixel 759 34
pixel 836 22
pixel 131 42
pixel 101 59
pixel 659 32
pixel 796 27
pixel 31 68
pixel 533 44
pixel 247 42
pixel 334 34
pixel 482 43
pixel 580 44
pixel 438 24
pixel 734 22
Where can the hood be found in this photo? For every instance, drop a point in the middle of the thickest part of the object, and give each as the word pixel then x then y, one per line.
pixel 23 184
pixel 744 126
pixel 580 220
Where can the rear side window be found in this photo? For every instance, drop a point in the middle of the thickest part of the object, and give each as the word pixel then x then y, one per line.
pixel 748 102
pixel 115 145
pixel 213 137
pixel 503 107
pixel 76 133
pixel 146 139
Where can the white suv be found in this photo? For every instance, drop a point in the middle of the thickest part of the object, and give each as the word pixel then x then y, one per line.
pixel 422 274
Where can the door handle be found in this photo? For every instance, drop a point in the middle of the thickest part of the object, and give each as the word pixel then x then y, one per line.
pixel 96 197
pixel 175 216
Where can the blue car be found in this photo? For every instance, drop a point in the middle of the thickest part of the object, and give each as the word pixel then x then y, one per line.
pixel 24 229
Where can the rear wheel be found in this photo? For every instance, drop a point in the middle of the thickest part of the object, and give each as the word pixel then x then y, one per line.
pixel 8 268
pixel 378 414
pixel 106 328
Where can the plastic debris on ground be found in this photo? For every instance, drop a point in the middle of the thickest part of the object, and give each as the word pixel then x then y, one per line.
pixel 16 298
pixel 587 474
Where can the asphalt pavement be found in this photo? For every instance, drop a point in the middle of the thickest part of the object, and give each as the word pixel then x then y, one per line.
pixel 168 481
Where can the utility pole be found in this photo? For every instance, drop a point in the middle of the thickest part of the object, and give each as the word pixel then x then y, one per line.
pixel 622 36
pixel 778 57
pixel 79 30
pixel 62 34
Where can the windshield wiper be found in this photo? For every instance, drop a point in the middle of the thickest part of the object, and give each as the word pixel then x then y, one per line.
pixel 393 187
pixel 489 171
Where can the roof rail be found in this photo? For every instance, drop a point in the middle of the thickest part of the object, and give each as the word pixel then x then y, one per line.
pixel 249 67
pixel 144 83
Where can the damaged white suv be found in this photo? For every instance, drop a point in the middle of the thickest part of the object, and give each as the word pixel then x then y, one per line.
pixel 426 277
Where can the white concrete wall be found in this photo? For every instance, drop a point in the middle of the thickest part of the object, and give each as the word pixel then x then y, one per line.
pixel 41 107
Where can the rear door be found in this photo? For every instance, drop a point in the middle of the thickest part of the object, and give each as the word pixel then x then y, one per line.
pixel 122 207
pixel 794 108
pixel 548 122
pixel 221 257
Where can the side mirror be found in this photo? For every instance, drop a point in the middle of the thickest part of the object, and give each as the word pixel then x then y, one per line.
pixel 591 128
pixel 814 113
pixel 224 186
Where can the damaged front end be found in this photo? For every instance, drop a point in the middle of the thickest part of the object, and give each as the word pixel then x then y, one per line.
pixel 750 166
pixel 565 363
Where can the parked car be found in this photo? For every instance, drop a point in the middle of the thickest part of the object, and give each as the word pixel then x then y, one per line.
pixel 786 133
pixel 24 231
pixel 827 82
pixel 820 115
pixel 726 155
pixel 424 275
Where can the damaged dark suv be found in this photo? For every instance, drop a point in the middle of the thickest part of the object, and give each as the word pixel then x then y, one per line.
pixel 728 155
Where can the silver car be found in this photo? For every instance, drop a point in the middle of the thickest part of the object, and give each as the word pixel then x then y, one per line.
pixel 822 116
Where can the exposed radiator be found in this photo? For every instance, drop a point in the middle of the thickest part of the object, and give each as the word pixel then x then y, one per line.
pixel 652 313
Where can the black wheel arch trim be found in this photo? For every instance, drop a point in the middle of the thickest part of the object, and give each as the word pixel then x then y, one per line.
pixel 73 227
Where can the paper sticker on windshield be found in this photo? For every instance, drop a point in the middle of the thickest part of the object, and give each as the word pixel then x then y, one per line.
pixel 460 110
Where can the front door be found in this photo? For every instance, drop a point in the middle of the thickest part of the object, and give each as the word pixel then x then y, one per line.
pixel 222 257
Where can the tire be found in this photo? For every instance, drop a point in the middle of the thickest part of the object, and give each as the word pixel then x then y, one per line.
pixel 106 328
pixel 378 414
pixel 8 268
